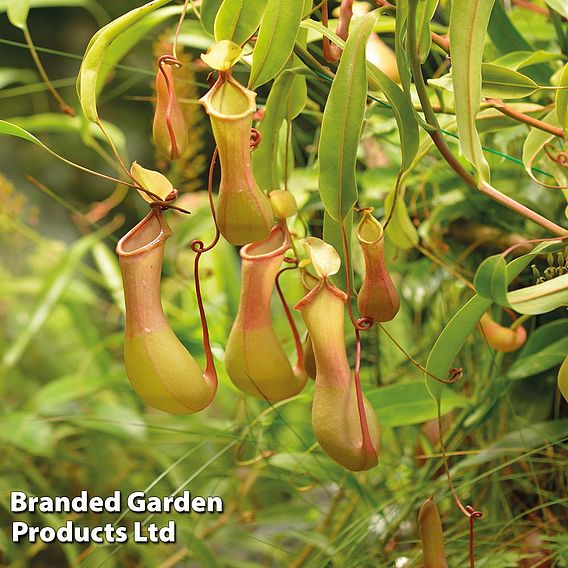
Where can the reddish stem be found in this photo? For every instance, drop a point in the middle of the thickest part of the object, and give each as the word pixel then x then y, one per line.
pixel 527 119
pixel 527 5
pixel 467 510
pixel 291 322
pixel 199 248
pixel 328 54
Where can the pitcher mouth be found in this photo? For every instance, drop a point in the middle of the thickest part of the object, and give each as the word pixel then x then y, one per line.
pixel 369 230
pixel 323 283
pixel 148 234
pixel 228 99
pixel 276 244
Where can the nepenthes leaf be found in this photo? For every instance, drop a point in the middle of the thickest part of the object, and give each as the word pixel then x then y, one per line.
pixel 342 123
pixel 468 26
pixel 278 32
pixel 94 55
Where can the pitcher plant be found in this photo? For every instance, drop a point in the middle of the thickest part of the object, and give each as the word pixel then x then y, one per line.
pixel 378 299
pixel 344 423
pixel 160 369
pixel 254 358
pixel 244 214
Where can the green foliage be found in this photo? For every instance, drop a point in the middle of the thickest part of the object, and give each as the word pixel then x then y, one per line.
pixel 468 24
pixel 342 123
pixel 335 135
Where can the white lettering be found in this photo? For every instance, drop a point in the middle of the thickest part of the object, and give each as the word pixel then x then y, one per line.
pixel 18 502
pixel 136 502
pixel 214 504
pixel 18 529
pixel 198 504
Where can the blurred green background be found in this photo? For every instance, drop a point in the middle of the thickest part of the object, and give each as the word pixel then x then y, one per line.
pixel 69 419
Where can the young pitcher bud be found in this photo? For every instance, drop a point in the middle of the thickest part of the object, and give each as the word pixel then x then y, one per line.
pixel 348 434
pixel 502 338
pixel 283 204
pixel 160 369
pixel 254 358
pixel 432 535
pixel 169 128
pixel 244 214
pixel 563 379
pixel 378 299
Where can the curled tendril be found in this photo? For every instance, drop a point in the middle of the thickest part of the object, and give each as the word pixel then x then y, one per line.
pixel 471 514
pixel 560 158
pixel 255 138
pixel 168 60
pixel 364 324
pixel 199 248
pixel 455 374
pixel 196 245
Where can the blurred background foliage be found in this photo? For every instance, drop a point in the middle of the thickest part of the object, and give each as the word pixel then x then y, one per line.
pixel 70 421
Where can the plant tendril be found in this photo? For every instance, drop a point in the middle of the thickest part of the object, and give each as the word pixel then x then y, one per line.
pixel 291 322
pixel 199 248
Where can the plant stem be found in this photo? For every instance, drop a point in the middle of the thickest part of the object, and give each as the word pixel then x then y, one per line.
pixel 521 209
pixel 440 143
pixel 528 5
pixel 62 104
pixel 521 117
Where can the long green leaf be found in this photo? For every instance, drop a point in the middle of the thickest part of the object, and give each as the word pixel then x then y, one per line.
pixel 342 123
pixel 424 13
pixel 10 129
pixel 519 59
pixel 129 38
pixel 503 83
pixel 237 20
pixel 462 324
pixel 468 25
pixel 56 122
pixel 209 9
pixel 404 115
pixel 278 32
pixel 402 61
pixel 546 347
pixel 87 80
pixel 278 109
pixel 562 101
pixel 540 298
pixel 497 81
